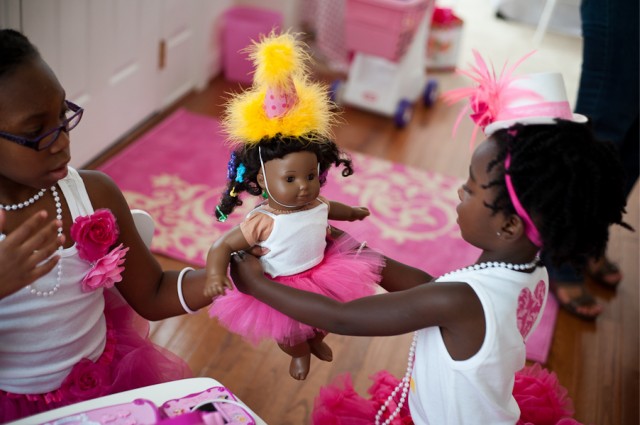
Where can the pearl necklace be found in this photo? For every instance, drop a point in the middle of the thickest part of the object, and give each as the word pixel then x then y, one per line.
pixel 26 203
pixel 55 288
pixel 405 382
pixel 491 264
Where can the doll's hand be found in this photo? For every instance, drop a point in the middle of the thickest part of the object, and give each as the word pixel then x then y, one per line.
pixel 359 213
pixel 258 251
pixel 23 251
pixel 216 285
pixel 246 270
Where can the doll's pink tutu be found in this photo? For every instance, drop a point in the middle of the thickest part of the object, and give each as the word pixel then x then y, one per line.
pixel 130 360
pixel 541 398
pixel 344 275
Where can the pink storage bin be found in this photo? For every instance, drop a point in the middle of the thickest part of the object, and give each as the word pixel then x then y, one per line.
pixel 382 28
pixel 242 25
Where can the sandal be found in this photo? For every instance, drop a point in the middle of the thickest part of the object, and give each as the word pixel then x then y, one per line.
pixel 575 304
pixel 604 272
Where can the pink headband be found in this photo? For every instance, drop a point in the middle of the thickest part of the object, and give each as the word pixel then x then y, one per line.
pixel 529 228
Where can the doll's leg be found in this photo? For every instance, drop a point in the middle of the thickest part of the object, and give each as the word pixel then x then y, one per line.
pixel 319 348
pixel 300 359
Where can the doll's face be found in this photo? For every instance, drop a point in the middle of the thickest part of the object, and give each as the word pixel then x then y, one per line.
pixel 478 223
pixel 292 180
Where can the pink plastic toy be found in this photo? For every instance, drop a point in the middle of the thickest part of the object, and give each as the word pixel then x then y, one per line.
pixel 388 40
pixel 241 25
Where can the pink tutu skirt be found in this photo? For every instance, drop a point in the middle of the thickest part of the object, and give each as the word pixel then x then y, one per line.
pixel 344 275
pixel 130 360
pixel 541 398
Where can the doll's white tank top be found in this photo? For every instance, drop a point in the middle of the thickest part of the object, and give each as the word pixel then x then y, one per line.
pixel 42 338
pixel 297 240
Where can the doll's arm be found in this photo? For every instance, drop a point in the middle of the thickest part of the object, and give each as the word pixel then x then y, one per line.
pixel 341 212
pixel 22 251
pixel 396 276
pixel 218 261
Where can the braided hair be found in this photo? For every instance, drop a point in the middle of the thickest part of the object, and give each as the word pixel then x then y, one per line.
pixel 15 49
pixel 570 183
pixel 244 165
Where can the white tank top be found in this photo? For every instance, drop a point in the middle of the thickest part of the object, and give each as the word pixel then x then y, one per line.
pixel 42 338
pixel 479 390
pixel 297 240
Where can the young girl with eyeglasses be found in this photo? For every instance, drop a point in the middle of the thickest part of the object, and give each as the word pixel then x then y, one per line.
pixel 66 238
pixel 280 128
pixel 540 180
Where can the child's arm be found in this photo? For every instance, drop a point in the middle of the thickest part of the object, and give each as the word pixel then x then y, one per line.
pixel 149 290
pixel 453 306
pixel 342 212
pixel 218 261
pixel 24 249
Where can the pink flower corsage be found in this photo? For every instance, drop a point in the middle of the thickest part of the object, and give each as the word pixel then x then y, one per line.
pixel 87 380
pixel 94 234
pixel 107 271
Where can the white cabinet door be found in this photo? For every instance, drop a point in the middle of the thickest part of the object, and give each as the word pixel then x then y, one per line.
pixel 107 55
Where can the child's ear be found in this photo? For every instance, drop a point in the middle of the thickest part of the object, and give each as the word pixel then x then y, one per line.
pixel 260 179
pixel 512 228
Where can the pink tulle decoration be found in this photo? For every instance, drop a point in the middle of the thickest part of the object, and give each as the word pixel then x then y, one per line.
pixel 107 271
pixel 340 404
pixel 541 398
pixel 490 95
pixel 94 234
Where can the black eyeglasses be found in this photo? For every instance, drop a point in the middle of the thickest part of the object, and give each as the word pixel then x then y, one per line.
pixel 73 115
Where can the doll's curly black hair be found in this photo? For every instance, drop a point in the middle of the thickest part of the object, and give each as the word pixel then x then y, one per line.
pixel 244 165
pixel 570 183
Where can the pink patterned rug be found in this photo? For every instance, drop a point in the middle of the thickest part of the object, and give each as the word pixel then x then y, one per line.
pixel 177 171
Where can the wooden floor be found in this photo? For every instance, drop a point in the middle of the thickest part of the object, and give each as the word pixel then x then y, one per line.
pixel 597 362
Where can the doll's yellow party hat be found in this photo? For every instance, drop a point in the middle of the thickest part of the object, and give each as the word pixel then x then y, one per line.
pixel 282 101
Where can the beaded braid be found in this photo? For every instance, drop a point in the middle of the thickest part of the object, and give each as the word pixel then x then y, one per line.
pixel 570 183
pixel 244 165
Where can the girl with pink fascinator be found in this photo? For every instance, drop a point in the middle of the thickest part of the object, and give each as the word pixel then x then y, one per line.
pixel 540 180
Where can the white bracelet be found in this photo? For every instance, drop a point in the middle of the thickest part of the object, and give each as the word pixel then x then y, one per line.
pixel 180 296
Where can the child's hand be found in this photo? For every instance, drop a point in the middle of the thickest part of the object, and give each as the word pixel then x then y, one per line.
pixel 246 270
pixel 359 213
pixel 24 249
pixel 216 285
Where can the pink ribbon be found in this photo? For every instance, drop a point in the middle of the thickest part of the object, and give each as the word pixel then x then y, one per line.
pixel 542 109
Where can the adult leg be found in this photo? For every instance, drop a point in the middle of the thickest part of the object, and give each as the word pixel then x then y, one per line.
pixel 608 93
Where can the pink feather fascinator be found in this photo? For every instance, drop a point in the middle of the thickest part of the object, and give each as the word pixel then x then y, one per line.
pixel 500 100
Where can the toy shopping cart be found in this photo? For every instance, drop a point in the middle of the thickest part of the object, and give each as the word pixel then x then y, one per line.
pixel 388 41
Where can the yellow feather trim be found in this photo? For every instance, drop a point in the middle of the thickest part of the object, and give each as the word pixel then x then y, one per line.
pixel 280 60
pixel 277 59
